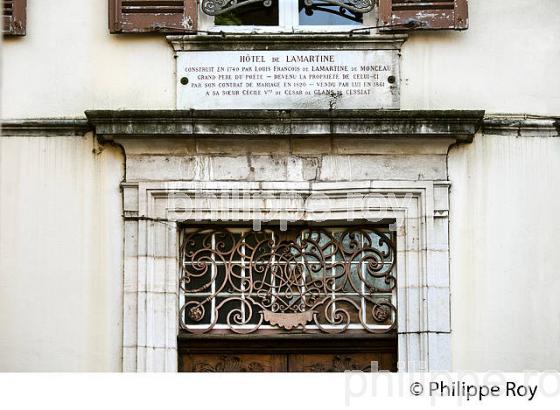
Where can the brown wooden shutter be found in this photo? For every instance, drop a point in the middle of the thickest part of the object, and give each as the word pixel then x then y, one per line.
pixel 400 15
pixel 146 16
pixel 14 15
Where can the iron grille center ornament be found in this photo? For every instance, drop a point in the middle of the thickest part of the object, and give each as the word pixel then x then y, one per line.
pixel 312 279
pixel 217 7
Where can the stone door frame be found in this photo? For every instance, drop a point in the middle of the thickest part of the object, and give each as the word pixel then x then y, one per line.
pixel 157 189
pixel 153 211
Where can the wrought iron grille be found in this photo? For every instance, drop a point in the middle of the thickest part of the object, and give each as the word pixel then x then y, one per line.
pixel 312 279
pixel 217 7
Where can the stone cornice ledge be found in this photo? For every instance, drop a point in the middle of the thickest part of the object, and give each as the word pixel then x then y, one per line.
pixel 521 125
pixel 45 127
pixel 458 125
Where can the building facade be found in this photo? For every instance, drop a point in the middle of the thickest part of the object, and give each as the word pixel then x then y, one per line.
pixel 284 185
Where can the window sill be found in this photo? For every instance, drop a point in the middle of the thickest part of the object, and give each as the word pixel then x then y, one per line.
pixel 282 41
pixel 298 30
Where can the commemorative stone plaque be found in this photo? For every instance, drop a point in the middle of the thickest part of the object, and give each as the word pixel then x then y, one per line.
pixel 342 79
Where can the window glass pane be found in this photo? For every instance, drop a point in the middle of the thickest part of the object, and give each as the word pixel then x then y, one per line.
pixel 323 14
pixel 255 14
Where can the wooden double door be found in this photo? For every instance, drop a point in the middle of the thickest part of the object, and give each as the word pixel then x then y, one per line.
pixel 287 354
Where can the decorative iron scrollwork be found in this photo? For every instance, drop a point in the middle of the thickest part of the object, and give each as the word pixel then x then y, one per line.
pixel 312 278
pixel 217 7
pixel 355 6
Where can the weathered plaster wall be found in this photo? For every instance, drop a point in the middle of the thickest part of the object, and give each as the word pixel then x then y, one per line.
pixel 505 62
pixel 60 207
pixel 504 237
pixel 60 255
pixel 65 65
pixel 60 291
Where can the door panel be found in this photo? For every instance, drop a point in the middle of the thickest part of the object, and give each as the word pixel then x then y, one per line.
pixel 286 353
pixel 341 362
pixel 233 363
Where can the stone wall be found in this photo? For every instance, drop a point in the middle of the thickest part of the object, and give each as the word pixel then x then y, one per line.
pixel 285 159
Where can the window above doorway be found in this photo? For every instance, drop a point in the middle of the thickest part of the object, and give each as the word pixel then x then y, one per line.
pixel 312 279
pixel 288 15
